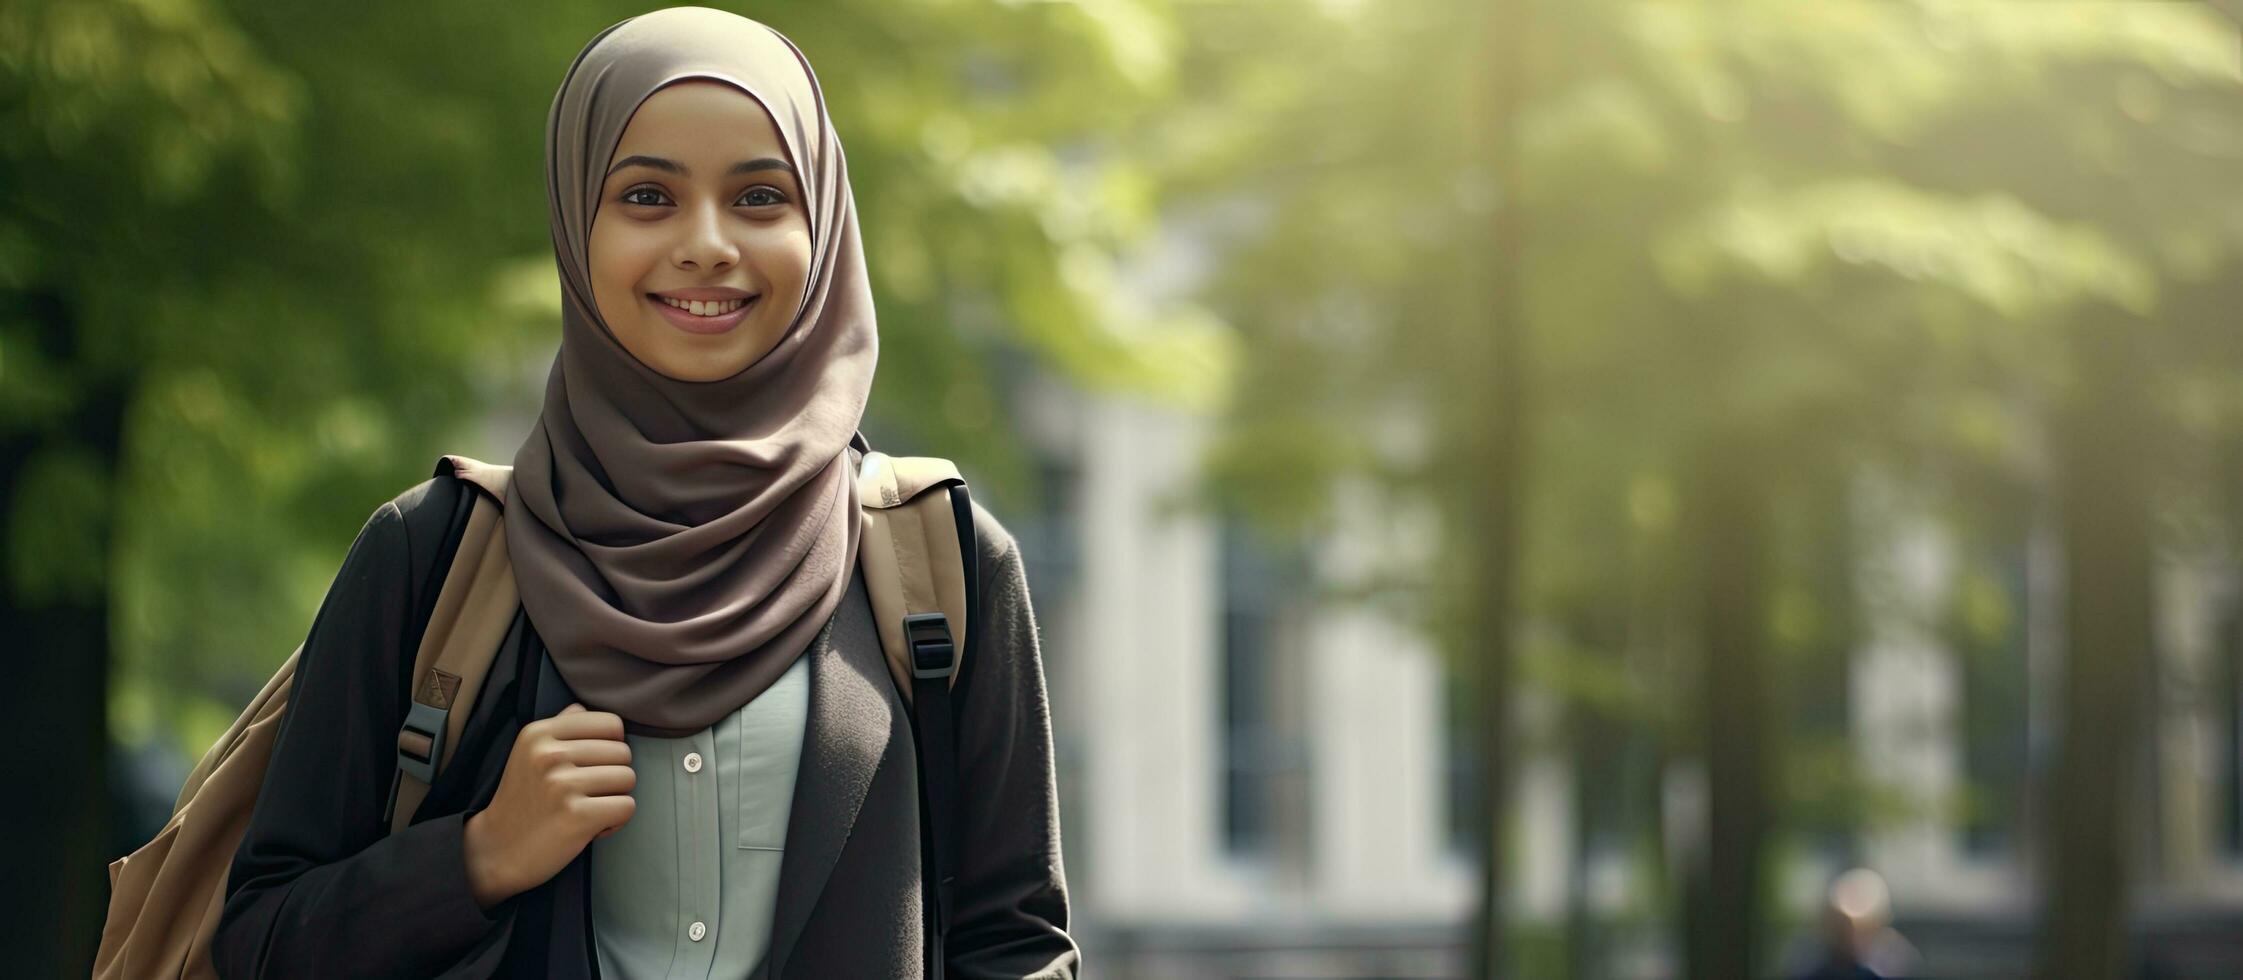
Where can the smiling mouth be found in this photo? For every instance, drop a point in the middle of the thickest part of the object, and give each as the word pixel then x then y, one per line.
pixel 710 318
pixel 711 309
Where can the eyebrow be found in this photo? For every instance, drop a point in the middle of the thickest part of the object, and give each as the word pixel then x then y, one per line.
pixel 672 166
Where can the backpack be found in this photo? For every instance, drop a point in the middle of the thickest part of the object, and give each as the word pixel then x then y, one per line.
pixel 917 555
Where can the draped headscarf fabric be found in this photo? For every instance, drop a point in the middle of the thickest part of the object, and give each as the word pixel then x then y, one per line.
pixel 679 543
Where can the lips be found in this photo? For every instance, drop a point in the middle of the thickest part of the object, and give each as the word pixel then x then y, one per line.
pixel 690 323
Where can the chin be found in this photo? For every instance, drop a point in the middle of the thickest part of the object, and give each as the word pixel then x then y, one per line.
pixel 700 369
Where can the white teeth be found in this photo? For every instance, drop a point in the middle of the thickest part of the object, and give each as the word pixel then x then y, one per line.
pixel 698 308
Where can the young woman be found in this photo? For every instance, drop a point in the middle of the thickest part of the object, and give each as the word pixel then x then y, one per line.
pixel 731 789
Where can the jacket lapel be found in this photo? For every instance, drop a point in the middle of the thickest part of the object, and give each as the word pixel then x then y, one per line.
pixel 850 725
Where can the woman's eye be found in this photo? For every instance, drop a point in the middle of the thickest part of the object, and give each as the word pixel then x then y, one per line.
pixel 629 196
pixel 768 196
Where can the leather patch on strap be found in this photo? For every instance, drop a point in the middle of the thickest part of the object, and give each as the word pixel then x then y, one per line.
pixel 438 690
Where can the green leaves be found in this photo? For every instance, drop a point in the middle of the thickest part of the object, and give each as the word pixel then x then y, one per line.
pixel 157 93
pixel 302 249
pixel 1857 237
pixel 2016 262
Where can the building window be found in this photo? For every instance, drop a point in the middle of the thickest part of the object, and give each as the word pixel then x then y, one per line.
pixel 1461 761
pixel 1264 764
pixel 1985 627
pixel 2227 708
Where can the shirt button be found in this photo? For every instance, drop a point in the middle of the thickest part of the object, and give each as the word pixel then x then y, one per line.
pixel 693 764
pixel 696 931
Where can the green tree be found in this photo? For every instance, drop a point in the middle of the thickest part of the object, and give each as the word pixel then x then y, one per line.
pixel 260 264
pixel 1764 249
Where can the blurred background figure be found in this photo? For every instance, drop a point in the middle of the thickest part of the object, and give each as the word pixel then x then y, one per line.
pixel 1857 939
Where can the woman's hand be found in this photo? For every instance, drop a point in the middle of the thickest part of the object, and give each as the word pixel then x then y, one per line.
pixel 567 782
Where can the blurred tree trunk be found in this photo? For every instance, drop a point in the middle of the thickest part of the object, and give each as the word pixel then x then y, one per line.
pixel 57 825
pixel 1494 426
pixel 2103 504
pixel 1721 938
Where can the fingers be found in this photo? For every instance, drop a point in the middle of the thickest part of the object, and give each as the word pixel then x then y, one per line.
pixel 573 706
pixel 580 723
pixel 605 811
pixel 594 752
pixel 542 752
pixel 602 780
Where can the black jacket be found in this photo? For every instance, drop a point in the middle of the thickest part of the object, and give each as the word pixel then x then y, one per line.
pixel 319 888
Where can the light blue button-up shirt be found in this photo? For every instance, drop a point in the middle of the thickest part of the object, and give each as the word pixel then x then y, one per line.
pixel 686 887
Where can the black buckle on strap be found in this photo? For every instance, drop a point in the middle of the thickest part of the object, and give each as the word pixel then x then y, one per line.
pixel 932 651
pixel 426 722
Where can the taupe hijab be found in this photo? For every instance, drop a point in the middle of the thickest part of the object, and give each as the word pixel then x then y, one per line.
pixel 678 544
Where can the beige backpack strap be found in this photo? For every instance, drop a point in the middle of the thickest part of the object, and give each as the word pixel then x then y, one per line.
pixel 166 896
pixel 917 557
pixel 911 559
pixel 491 477
pixel 473 612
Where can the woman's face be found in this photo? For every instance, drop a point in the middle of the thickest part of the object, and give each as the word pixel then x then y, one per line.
pixel 700 204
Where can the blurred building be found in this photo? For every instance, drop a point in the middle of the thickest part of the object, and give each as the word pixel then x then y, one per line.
pixel 1251 784
pixel 1255 783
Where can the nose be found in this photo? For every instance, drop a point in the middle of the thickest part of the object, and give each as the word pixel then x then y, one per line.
pixel 704 244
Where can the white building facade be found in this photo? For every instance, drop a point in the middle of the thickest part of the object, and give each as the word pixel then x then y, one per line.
pixel 1257 783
